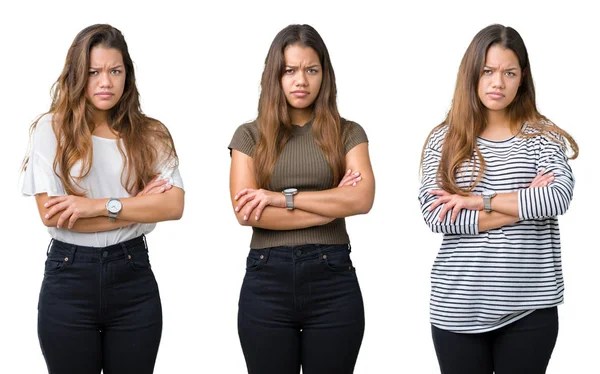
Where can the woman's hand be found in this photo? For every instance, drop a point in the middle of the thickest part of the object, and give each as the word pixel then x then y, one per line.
pixel 350 179
pixel 542 180
pixel 156 186
pixel 250 199
pixel 73 208
pixel 455 202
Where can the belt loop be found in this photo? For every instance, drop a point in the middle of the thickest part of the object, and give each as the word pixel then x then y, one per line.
pixel 71 255
pixel 49 246
pixel 145 242
pixel 124 247
pixel 349 248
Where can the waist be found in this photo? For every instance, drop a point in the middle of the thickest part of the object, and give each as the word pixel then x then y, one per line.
pixel 123 249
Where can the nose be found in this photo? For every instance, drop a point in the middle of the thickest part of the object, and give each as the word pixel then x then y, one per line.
pixel 498 80
pixel 105 80
pixel 301 80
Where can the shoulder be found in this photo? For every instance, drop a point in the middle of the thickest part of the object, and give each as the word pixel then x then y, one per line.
pixel 352 134
pixel 248 131
pixel 544 133
pixel 44 128
pixel 245 138
pixel 350 127
pixel 436 137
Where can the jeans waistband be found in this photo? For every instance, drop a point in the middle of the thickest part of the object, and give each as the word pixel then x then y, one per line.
pixel 95 254
pixel 300 252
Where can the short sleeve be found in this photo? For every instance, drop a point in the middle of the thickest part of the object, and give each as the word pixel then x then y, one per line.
pixel 168 168
pixel 245 138
pixel 39 176
pixel 352 134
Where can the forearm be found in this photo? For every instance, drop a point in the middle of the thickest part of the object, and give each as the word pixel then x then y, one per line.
pixel 338 202
pixel 152 208
pixel 493 220
pixel 506 203
pixel 274 218
pixel 94 224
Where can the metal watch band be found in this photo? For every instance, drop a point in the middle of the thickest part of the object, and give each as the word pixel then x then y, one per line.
pixel 289 201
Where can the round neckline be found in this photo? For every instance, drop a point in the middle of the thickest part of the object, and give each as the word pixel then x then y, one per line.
pixel 300 130
pixel 104 139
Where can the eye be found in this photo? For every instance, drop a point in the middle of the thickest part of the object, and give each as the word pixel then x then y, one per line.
pixel 312 71
pixel 288 71
pixel 115 72
pixel 92 73
pixel 487 72
pixel 510 74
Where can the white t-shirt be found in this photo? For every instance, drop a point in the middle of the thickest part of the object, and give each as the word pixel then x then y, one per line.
pixel 103 181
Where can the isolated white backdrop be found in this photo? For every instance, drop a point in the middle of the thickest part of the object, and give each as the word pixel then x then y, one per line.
pixel 198 70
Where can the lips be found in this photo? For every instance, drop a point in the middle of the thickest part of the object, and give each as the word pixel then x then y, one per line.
pixel 300 93
pixel 495 95
pixel 104 95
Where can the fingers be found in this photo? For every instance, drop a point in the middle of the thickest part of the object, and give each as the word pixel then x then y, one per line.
pixel 243 201
pixel 63 217
pixel 243 192
pixel 74 217
pixel 55 200
pixel 350 179
pixel 250 207
pixel 541 179
pixel 259 209
pixel 58 207
pixel 154 183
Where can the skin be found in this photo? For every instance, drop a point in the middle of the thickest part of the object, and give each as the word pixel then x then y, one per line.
pixel 158 201
pixel 355 193
pixel 498 86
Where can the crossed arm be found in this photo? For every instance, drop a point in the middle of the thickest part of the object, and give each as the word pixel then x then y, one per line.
pixel 157 202
pixel 267 209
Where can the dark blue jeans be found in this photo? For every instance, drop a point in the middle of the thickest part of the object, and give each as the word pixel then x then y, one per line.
pixel 301 306
pixel 99 308
pixel 522 347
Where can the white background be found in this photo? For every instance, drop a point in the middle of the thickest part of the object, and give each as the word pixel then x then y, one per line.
pixel 198 71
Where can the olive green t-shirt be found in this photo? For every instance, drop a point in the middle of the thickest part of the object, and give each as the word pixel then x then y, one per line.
pixel 301 165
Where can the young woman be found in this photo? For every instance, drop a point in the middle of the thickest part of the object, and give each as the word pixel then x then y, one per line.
pixel 495 176
pixel 300 303
pixel 102 174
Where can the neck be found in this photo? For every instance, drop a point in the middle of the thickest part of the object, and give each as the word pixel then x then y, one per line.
pixel 497 126
pixel 497 119
pixel 300 116
pixel 100 118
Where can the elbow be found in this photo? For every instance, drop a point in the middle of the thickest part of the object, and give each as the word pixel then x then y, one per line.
pixel 241 220
pixel 364 207
pixel 48 222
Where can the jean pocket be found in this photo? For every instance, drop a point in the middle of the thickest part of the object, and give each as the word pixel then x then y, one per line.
pixel 338 261
pixel 55 265
pixel 139 260
pixel 256 259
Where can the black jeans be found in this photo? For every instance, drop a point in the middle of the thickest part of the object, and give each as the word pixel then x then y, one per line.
pixel 301 306
pixel 99 309
pixel 522 347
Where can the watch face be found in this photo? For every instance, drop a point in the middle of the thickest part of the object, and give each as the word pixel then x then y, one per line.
pixel 114 206
pixel 290 191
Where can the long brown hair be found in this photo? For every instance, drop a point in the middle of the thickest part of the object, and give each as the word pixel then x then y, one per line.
pixel 273 118
pixel 466 119
pixel 146 141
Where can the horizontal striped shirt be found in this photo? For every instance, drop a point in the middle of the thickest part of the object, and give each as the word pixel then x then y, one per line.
pixel 481 281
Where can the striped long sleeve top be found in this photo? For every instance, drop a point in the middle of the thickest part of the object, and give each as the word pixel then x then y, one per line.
pixel 481 281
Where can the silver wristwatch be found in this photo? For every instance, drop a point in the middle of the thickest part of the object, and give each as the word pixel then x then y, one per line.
pixel 487 200
pixel 289 197
pixel 114 206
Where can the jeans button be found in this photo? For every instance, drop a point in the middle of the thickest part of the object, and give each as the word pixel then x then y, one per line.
pixel 262 257
pixel 105 254
pixel 66 259
pixel 324 257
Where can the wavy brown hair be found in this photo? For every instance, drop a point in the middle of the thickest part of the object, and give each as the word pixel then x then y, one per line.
pixel 466 119
pixel 273 118
pixel 146 141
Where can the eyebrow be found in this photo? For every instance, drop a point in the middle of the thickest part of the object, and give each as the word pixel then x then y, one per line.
pixel 493 68
pixel 308 67
pixel 113 67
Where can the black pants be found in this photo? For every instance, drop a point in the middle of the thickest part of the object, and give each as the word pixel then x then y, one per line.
pixel 99 309
pixel 301 306
pixel 522 347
